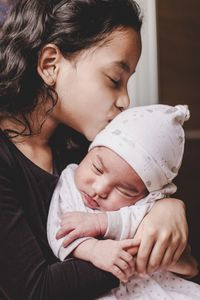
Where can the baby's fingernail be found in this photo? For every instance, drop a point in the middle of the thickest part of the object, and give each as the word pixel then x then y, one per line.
pixel 125 280
pixel 143 274
pixel 58 235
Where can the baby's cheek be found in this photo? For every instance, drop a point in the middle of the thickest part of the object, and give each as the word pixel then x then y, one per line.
pixel 79 179
pixel 114 202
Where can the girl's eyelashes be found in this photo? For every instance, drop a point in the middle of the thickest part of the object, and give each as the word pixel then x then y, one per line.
pixel 114 81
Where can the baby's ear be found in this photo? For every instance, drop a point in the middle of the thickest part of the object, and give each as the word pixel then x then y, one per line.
pixel 48 64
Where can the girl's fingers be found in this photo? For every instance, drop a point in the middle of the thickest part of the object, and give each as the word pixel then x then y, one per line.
pixel 172 254
pixel 156 257
pixel 152 256
pixel 132 250
pixel 126 244
pixel 167 258
pixel 143 255
pixel 162 253
pixel 177 253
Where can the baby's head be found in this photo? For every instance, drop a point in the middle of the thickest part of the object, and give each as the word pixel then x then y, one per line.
pixel 149 142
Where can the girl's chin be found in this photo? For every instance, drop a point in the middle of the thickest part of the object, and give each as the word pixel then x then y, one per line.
pixel 90 136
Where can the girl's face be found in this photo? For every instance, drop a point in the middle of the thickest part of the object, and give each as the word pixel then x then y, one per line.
pixel 107 182
pixel 93 89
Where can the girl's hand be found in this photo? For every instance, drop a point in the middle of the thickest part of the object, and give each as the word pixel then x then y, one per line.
pixel 112 256
pixel 186 265
pixel 161 236
pixel 81 224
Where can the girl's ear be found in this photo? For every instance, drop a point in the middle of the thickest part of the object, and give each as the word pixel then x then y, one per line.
pixel 48 64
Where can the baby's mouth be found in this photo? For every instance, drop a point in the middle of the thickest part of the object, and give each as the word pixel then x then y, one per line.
pixel 89 201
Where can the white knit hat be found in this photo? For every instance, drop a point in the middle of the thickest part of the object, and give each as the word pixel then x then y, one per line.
pixel 150 139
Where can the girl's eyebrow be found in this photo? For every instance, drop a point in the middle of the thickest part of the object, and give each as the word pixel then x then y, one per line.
pixel 121 64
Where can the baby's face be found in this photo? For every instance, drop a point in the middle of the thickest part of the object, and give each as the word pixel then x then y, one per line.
pixel 107 182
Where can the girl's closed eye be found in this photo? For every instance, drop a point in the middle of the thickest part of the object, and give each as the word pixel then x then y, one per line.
pixel 115 81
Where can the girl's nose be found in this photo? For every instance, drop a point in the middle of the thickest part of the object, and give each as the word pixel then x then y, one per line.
pixel 123 101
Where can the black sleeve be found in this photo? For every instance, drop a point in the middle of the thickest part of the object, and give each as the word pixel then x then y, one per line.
pixel 24 271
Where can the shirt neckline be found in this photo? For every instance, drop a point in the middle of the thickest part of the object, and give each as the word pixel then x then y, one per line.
pixel 54 171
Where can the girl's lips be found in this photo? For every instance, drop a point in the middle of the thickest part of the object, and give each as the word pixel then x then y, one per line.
pixel 90 202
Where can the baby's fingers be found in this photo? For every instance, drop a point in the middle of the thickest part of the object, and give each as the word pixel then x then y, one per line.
pixel 117 272
pixel 127 244
pixel 72 236
pixel 126 257
pixel 63 231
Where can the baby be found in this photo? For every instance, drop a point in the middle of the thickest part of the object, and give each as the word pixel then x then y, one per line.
pixel 129 166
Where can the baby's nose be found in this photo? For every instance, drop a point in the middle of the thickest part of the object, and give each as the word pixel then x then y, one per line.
pixel 100 190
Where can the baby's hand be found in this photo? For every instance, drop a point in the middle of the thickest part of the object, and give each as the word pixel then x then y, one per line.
pixel 75 225
pixel 112 256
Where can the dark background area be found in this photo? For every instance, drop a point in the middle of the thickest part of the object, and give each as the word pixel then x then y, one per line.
pixel 179 83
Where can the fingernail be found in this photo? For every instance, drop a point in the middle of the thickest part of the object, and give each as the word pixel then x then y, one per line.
pixel 58 235
pixel 142 274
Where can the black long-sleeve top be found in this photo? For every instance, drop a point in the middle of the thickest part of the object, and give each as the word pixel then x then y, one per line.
pixel 28 268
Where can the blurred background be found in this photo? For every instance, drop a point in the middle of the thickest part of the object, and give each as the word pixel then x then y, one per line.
pixel 178 40
pixel 169 73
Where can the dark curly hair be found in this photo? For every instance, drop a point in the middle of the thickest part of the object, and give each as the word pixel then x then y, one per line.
pixel 72 25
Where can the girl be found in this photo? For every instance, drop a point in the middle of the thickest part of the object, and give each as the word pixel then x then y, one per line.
pixel 64 68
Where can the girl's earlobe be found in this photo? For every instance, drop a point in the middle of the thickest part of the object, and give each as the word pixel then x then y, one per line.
pixel 49 77
pixel 48 64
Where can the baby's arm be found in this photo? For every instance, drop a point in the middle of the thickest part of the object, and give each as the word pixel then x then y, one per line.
pixel 116 225
pixel 123 224
pixel 108 255
pixel 63 200
pixel 120 225
pixel 78 224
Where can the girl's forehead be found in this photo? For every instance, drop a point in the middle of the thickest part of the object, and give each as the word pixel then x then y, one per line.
pixel 122 39
pixel 120 49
